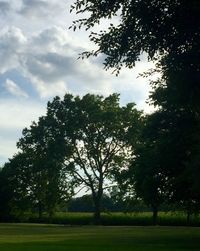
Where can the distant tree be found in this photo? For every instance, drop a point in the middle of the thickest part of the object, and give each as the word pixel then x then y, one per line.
pixel 85 204
pixel 98 132
pixel 124 195
pixel 81 204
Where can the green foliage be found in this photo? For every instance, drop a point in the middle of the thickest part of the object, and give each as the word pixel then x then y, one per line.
pixel 81 142
pixel 177 96
pixel 148 173
pixel 99 135
pixel 6 194
pixel 144 26
pixel 37 170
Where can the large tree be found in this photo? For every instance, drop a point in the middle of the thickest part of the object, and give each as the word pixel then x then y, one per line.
pixel 169 32
pixel 176 95
pixel 100 135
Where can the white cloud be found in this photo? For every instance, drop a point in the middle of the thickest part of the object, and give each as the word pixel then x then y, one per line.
pixel 55 62
pixel 7 149
pixel 16 115
pixel 49 60
pixel 40 8
pixel 12 44
pixel 50 90
pixel 14 89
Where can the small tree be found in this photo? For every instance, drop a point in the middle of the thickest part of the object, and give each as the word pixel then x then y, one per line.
pixel 15 176
pixel 6 193
pixel 97 130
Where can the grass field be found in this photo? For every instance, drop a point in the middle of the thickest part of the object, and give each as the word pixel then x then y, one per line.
pixel 33 237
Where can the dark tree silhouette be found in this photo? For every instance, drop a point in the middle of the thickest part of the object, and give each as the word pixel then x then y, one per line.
pixel 154 27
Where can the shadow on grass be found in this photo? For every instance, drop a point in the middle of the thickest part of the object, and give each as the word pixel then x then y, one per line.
pixel 101 239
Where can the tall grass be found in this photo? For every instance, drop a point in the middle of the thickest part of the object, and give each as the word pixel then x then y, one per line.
pixel 118 219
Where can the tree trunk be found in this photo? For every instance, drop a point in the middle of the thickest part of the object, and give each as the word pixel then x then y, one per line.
pixel 97 211
pixel 155 216
pixel 39 209
pixel 97 198
pixel 188 217
pixel 51 213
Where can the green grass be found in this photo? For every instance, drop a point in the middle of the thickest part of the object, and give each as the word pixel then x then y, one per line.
pixel 33 237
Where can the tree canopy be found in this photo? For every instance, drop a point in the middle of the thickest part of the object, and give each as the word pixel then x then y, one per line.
pixel 100 135
pixel 154 27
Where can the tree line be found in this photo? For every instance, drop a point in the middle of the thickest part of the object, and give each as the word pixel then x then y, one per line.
pixel 93 142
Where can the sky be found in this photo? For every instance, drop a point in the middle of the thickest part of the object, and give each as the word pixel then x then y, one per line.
pixel 39 60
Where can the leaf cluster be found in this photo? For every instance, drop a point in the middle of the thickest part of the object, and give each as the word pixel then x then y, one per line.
pixel 154 27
